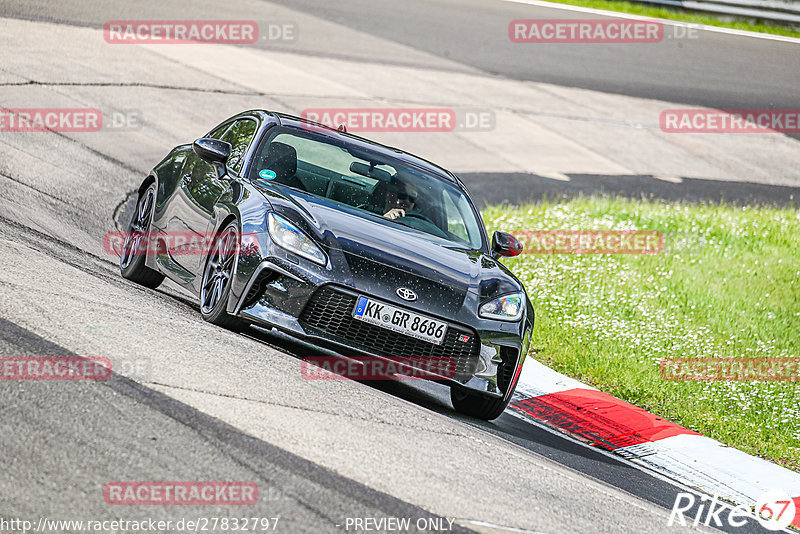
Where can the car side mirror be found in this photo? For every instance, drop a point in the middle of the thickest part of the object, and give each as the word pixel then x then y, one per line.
pixel 213 151
pixel 504 244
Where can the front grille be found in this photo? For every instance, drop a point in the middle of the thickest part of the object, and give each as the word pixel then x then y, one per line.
pixel 329 312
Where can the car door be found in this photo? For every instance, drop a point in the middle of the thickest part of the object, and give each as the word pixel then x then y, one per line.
pixel 200 189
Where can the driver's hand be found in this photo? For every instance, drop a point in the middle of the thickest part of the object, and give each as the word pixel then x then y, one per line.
pixel 395 213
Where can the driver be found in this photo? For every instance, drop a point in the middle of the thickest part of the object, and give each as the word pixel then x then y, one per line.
pixel 400 198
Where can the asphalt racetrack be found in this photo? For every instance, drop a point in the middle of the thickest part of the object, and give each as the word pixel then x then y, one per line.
pixel 191 401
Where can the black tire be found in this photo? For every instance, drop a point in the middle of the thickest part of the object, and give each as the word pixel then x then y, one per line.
pixel 477 405
pixel 215 288
pixel 136 246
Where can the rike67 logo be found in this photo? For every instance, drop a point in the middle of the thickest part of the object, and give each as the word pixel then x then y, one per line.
pixel 774 510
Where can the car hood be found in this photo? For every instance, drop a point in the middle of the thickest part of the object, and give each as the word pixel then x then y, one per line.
pixel 382 255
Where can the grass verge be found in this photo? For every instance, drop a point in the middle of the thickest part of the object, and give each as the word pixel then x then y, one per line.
pixel 683 16
pixel 727 285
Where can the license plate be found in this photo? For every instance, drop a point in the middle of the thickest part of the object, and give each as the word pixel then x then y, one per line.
pixel 399 320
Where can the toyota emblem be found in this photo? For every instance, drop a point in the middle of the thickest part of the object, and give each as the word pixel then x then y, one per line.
pixel 406 294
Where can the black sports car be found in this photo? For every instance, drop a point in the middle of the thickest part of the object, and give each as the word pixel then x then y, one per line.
pixel 343 242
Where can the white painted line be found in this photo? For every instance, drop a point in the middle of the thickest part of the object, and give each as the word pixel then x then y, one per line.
pixel 667 22
pixel 686 460
pixel 715 468
pixel 689 474
pixel 668 178
pixel 493 527
pixel 553 175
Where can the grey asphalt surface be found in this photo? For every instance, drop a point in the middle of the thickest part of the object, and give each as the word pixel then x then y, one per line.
pixel 80 435
pixel 62 441
pixel 713 69
pixel 710 69
pixel 119 430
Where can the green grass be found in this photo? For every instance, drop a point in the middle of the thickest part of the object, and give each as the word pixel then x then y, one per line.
pixel 727 284
pixel 683 16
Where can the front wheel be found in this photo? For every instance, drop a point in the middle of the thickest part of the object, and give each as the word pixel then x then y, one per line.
pixel 217 279
pixel 137 243
pixel 477 405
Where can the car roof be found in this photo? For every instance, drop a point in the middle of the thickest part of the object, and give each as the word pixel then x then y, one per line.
pixel 299 122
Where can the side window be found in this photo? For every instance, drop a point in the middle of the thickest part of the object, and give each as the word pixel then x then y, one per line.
pixel 455 222
pixel 313 152
pixel 217 134
pixel 239 136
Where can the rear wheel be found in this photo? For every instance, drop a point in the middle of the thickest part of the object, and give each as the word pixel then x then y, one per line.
pixel 217 278
pixel 477 405
pixel 136 245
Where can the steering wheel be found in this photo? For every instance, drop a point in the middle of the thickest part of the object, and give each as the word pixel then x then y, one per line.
pixel 417 215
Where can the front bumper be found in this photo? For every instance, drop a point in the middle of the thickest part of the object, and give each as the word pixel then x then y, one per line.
pixel 308 302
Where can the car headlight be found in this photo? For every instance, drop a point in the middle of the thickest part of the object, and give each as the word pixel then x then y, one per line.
pixel 290 237
pixel 505 308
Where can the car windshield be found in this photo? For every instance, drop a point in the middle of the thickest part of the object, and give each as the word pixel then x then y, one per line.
pixel 368 181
